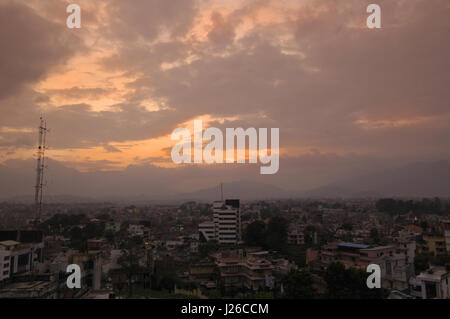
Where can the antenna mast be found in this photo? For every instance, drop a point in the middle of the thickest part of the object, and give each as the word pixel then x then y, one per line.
pixel 38 195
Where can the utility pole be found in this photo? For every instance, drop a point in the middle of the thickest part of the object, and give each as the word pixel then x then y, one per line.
pixel 38 194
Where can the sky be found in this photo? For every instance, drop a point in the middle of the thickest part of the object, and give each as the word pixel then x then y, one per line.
pixel 348 100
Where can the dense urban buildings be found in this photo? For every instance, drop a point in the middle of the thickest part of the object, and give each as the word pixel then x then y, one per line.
pixel 225 249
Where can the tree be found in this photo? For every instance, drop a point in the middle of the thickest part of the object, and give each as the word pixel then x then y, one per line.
pixel 110 237
pixel 298 284
pixel 424 225
pixel 94 230
pixel 255 234
pixel 103 216
pixel 375 236
pixel 76 236
pixel 129 261
pixel 204 249
pixel 277 233
pixel 347 226
pixel 349 283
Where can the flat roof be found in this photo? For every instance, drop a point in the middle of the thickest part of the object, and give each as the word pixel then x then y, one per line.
pixel 380 247
pixel 352 245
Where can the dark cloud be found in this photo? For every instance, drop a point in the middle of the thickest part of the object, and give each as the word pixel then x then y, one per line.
pixel 328 83
pixel 148 19
pixel 75 126
pixel 77 92
pixel 30 46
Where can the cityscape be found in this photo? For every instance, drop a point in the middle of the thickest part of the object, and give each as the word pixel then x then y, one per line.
pixel 224 157
pixel 302 249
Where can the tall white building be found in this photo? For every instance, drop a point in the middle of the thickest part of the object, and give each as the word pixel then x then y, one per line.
pixel 226 225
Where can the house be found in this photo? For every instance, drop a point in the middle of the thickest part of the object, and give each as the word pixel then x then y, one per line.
pixel 433 283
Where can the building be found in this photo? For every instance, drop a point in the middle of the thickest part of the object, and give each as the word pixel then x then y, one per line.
pixel 112 226
pixel 296 237
pixel 53 245
pixel 433 245
pixel 396 272
pixel 408 248
pixel 30 290
pixel 446 224
pixel 226 225
pixel 395 268
pixel 91 268
pixel 19 258
pixel 227 221
pixel 202 272
pixel 207 231
pixel 244 272
pixel 433 283
pixel 138 230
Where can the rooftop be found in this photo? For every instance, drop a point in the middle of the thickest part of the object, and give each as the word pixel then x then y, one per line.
pixel 352 245
pixel 9 243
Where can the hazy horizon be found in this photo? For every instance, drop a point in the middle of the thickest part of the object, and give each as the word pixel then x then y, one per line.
pixel 349 101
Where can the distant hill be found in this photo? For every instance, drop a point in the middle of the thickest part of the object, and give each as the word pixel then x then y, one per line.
pixel 414 180
pixel 245 190
pixel 29 199
pixel 151 185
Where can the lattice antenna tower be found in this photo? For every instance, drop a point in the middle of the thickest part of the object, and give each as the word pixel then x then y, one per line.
pixel 38 194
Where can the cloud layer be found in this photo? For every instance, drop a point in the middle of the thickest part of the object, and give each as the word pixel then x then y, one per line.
pixel 114 90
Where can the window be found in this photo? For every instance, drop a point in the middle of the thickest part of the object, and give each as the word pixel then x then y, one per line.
pixel 388 268
pixel 23 259
pixel 430 289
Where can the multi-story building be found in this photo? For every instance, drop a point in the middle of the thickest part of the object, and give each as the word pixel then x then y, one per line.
pixel 433 283
pixel 18 258
pixel 446 224
pixel 227 221
pixel 395 268
pixel 207 231
pixel 138 230
pixel 202 271
pixel 226 225
pixel 5 259
pixel 434 245
pixel 91 268
pixel 245 272
pixel 296 237
pixel 408 248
